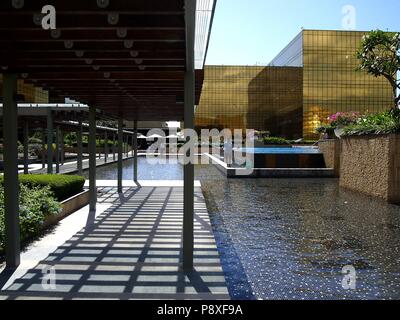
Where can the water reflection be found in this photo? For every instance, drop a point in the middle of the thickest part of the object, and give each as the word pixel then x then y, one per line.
pixel 293 237
pixel 290 238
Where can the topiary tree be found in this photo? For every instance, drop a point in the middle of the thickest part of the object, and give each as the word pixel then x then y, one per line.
pixel 379 55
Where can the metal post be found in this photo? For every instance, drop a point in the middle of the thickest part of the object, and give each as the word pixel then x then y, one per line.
pixel 50 137
pixel 92 159
pixel 126 146
pixel 120 142
pixel 11 185
pixel 113 148
pixel 135 152
pixel 58 149
pixel 43 149
pixel 26 147
pixel 188 169
pixel 62 150
pixel 99 148
pixel 123 146
pixel 80 148
pixel 105 147
pixel 132 143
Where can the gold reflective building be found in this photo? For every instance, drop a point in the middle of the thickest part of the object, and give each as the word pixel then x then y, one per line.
pixel 314 76
pixel 28 92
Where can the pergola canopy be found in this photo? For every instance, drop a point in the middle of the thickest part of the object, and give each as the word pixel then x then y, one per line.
pixel 126 57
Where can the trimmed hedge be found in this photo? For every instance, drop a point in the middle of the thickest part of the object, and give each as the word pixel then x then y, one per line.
pixel 62 186
pixel 276 141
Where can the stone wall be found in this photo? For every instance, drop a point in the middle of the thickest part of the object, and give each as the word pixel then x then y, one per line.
pixel 331 150
pixel 371 164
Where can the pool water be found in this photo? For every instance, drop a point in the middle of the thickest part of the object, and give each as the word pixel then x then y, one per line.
pixel 290 238
pixel 293 150
pixel 294 236
pixel 146 171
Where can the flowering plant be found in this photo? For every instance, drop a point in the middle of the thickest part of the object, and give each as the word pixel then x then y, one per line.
pixel 343 118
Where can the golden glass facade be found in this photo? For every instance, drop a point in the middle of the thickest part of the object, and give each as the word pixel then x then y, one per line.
pixel 314 76
pixel 31 93
pixel 240 97
pixel 331 81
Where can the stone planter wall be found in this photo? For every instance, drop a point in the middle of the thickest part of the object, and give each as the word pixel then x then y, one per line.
pixel 68 206
pixel 371 165
pixel 331 150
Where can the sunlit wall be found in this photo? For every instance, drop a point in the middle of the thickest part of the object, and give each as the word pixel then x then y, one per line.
pixel 260 98
pixel 314 76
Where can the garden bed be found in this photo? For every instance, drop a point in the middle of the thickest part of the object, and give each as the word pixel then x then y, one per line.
pixel 371 164
pixel 44 200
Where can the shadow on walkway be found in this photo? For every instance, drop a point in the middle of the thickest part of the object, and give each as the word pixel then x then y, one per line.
pixel 131 251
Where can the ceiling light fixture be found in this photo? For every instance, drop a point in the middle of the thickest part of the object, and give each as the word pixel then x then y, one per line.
pixel 103 3
pixel 79 53
pixel 128 44
pixel 68 44
pixel 113 18
pixel 17 4
pixel 134 53
pixel 37 19
pixel 55 33
pixel 122 32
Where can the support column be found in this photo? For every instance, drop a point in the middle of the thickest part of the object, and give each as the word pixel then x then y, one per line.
pixel 113 148
pixel 132 145
pixel 120 142
pixel 99 149
pixel 188 169
pixel 62 149
pixel 58 149
pixel 11 185
pixel 50 137
pixel 92 159
pixel 43 149
pixel 123 145
pixel 79 135
pixel 26 147
pixel 105 147
pixel 126 146
pixel 135 152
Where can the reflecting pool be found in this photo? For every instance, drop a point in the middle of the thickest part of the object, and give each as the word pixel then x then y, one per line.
pixel 291 238
pixel 294 236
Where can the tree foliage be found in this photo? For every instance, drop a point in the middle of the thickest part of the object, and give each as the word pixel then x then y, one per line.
pixel 379 55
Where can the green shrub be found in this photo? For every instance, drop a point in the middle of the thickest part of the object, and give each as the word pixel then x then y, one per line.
pixel 62 186
pixel 35 140
pixel 381 123
pixel 36 204
pixel 276 141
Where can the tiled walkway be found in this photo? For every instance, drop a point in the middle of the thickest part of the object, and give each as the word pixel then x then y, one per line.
pixel 131 251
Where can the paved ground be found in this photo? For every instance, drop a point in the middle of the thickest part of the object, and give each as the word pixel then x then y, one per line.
pixel 130 251
pixel 71 166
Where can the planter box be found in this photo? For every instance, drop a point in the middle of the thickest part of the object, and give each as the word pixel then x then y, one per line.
pixel 371 164
pixel 331 150
pixel 68 206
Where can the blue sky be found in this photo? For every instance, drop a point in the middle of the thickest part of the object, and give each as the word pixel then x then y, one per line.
pixel 249 32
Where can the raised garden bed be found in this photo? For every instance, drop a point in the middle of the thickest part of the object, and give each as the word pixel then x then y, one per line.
pixel 371 164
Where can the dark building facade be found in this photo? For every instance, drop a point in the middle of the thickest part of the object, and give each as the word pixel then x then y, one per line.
pixel 314 76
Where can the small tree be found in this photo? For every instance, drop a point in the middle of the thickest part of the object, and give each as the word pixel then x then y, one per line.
pixel 379 55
